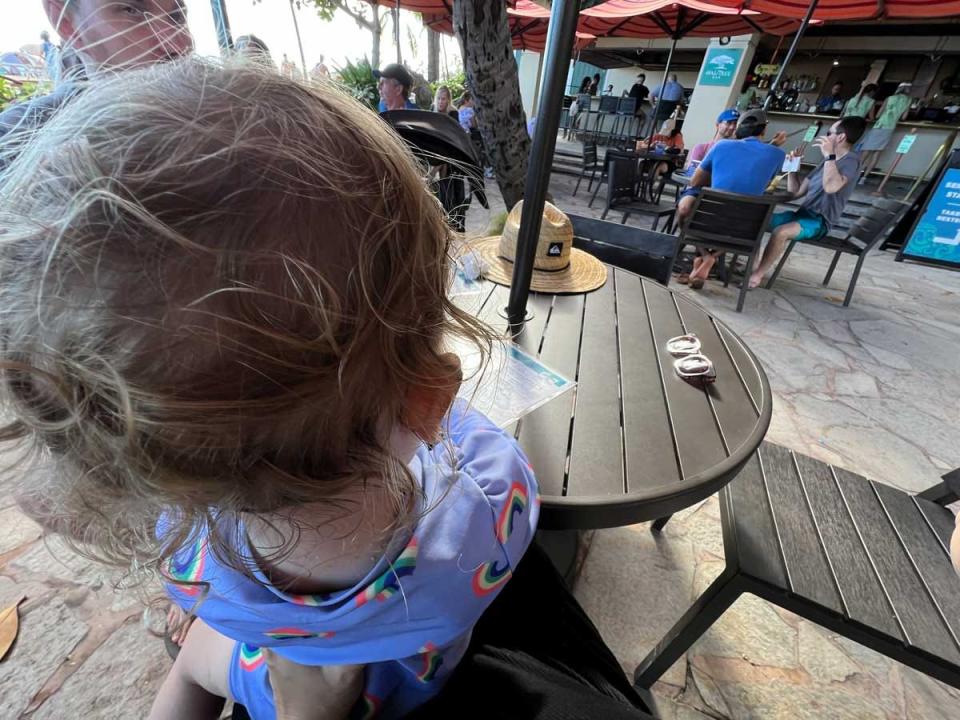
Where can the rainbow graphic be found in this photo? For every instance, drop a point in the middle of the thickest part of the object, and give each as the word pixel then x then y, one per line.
pixel 290 633
pixel 308 600
pixel 251 657
pixel 489 577
pixel 515 505
pixel 186 567
pixel 432 660
pixel 369 707
pixel 388 584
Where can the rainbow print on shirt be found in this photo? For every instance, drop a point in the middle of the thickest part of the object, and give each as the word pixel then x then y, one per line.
pixel 188 567
pixel 516 505
pixel 388 584
pixel 490 577
pixel 432 660
pixel 290 633
pixel 368 707
pixel 251 657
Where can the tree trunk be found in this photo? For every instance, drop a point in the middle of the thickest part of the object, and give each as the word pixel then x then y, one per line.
pixel 375 30
pixel 482 28
pixel 433 55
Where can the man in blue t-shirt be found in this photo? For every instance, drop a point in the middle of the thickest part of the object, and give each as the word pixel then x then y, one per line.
pixel 393 83
pixel 746 166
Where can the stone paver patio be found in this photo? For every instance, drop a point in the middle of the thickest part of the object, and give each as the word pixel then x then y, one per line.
pixel 873 388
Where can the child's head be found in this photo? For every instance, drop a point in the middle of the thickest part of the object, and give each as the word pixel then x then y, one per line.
pixel 221 289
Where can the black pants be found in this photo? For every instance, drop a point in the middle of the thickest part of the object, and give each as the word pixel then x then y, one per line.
pixel 535 655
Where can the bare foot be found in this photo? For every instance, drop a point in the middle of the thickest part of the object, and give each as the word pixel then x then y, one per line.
pixel 755 281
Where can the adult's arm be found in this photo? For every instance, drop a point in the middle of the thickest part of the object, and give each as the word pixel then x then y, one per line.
pixel 701 178
pixel 302 692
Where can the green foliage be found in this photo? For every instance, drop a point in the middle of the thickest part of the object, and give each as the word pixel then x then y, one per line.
pixel 357 78
pixel 457 84
pixel 13 92
pixel 325 8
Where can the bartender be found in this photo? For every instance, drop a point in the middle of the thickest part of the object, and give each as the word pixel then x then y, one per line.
pixel 832 103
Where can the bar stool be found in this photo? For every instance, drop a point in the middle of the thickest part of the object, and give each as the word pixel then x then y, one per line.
pixel 626 115
pixel 607 109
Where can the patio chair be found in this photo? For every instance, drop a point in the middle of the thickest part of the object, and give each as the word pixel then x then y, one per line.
pixel 606 118
pixel 859 558
pixel 589 164
pixel 859 239
pixel 644 252
pixel 622 182
pixel 729 222
pixel 612 154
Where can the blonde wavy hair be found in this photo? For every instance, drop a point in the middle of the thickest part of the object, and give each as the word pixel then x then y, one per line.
pixel 217 286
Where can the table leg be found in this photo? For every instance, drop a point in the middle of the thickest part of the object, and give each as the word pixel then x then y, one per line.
pixel 566 549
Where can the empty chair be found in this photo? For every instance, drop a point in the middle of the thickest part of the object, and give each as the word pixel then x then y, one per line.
pixel 606 118
pixel 730 222
pixel 860 238
pixel 859 558
pixel 622 182
pixel 590 165
pixel 644 252
pixel 612 154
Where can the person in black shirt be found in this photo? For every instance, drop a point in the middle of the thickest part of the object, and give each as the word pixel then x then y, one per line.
pixel 639 90
pixel 595 84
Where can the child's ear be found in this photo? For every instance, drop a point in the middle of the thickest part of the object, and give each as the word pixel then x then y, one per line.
pixel 427 404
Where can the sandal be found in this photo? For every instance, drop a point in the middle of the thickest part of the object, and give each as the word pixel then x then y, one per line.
pixel 683 278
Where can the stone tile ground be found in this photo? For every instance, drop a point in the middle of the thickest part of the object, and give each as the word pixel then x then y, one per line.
pixel 873 387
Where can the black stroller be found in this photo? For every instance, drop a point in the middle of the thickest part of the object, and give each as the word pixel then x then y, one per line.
pixel 438 140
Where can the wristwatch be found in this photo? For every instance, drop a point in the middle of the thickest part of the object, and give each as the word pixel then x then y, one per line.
pixel 832 156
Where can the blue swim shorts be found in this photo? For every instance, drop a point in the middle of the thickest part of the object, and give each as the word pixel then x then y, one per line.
pixel 812 225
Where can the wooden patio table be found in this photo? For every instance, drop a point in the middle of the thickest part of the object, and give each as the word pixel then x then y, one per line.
pixel 633 441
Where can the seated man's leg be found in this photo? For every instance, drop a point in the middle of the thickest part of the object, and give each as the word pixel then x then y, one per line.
pixel 685 207
pixel 784 226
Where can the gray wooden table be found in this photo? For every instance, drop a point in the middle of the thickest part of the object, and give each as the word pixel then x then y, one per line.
pixel 634 441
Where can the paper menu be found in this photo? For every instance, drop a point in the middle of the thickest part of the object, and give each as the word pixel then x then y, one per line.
pixel 513 384
pixel 791 164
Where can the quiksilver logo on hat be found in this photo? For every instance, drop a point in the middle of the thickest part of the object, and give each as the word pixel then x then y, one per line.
pixel 555 249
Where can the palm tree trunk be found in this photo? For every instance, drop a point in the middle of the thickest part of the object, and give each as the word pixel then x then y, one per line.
pixel 433 55
pixel 375 30
pixel 482 28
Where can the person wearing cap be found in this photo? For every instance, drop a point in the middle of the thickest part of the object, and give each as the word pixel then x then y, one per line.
pixel 394 82
pixel 726 127
pixel 745 165
pixel 825 193
pixel 893 110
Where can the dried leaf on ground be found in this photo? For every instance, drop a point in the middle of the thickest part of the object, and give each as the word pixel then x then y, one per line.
pixel 9 624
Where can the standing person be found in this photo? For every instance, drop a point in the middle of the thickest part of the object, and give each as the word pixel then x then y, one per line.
pixel 253 48
pixel 466 115
pixel 863 103
pixel 639 90
pixel 832 103
pixel 443 103
pixel 320 70
pixel 51 58
pixel 745 165
pixel 394 82
pixel 268 421
pixel 105 35
pixel 287 68
pixel 668 97
pixel 893 110
pixel 726 129
pixel 825 193
pixel 594 84
pixel 584 86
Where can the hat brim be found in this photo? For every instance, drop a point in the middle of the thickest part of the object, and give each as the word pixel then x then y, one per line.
pixel 584 273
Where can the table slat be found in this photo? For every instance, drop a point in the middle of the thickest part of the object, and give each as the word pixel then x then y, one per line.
pixel 545 433
pixel 731 401
pixel 698 438
pixel 596 450
pixel 651 457
pixel 748 369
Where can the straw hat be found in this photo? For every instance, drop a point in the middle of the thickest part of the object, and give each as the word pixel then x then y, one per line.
pixel 559 268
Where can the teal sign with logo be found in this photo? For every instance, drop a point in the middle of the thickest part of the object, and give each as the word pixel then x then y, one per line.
pixel 936 237
pixel 720 66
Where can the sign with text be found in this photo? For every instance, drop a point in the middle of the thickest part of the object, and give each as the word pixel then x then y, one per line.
pixel 906 143
pixel 720 65
pixel 936 237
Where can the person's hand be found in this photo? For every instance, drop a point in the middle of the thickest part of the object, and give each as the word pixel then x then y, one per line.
pixel 303 692
pixel 827 144
pixel 779 139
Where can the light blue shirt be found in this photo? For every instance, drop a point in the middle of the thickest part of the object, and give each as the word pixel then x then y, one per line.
pixel 671 92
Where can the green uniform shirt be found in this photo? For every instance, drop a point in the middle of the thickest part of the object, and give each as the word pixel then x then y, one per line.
pixel 859 105
pixel 893 108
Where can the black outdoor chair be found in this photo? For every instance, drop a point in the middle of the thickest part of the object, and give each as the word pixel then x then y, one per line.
pixel 622 184
pixel 731 223
pixel 612 154
pixel 606 116
pixel 589 164
pixel 860 238
pixel 644 252
pixel 862 559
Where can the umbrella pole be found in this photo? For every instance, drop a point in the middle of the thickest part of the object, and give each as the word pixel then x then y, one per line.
pixel 790 53
pixel 222 24
pixel 562 28
pixel 663 84
pixel 296 27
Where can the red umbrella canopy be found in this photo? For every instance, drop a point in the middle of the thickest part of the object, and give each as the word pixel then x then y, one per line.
pixel 851 9
pixel 670 18
pixel 527 31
